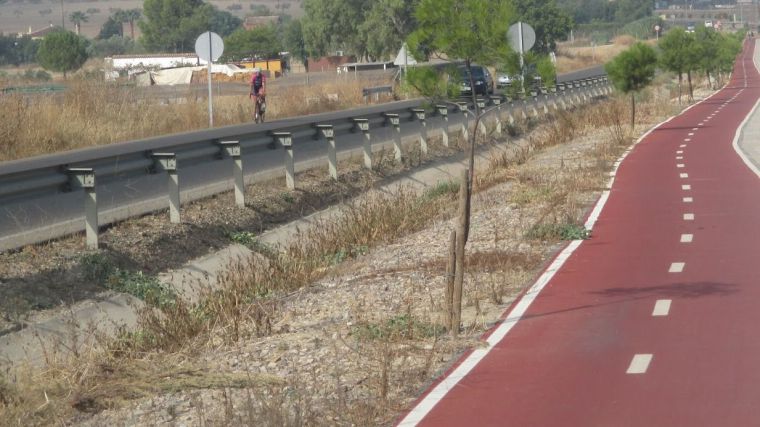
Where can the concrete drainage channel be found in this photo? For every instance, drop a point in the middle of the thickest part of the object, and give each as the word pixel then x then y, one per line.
pixel 75 326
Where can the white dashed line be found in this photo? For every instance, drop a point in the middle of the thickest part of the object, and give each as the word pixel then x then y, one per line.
pixel 688 217
pixel 687 238
pixel 682 145
pixel 688 199
pixel 661 307
pixel 679 157
pixel 676 267
pixel 639 364
pixel 680 165
pixel 684 175
pixel 679 152
pixel 691 133
pixel 694 128
pixel 687 139
pixel 686 187
pixel 701 123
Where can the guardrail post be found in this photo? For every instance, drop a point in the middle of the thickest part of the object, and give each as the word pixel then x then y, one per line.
pixel 419 113
pixel 168 162
pixel 553 94
pixel 510 116
pixel 497 102
pixel 286 140
pixel 465 120
pixel 443 111
pixel 533 109
pixel 232 149
pixel 482 126
pixel 85 178
pixel 394 120
pixel 562 95
pixel 328 133
pixel 363 125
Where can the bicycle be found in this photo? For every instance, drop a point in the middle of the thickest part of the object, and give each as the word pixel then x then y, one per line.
pixel 260 108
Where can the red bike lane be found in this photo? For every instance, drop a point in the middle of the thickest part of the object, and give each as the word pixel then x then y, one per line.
pixel 651 322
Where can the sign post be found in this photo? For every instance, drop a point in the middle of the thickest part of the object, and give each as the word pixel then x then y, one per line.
pixel 209 47
pixel 521 37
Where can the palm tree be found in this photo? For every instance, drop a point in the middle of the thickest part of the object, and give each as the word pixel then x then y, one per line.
pixel 131 16
pixel 77 18
pixel 121 17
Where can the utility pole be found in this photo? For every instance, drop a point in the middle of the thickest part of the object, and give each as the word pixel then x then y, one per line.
pixel 63 19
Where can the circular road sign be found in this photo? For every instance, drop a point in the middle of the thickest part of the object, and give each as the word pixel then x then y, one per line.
pixel 528 37
pixel 209 46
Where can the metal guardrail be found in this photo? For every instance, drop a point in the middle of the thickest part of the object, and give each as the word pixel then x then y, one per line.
pixel 377 90
pixel 40 183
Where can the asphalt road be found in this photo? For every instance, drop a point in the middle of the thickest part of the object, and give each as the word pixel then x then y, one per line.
pixel 651 322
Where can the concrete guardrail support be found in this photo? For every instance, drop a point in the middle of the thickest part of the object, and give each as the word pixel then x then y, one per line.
pixel 394 120
pixel 286 140
pixel 85 178
pixel 482 125
pixel 510 110
pixel 328 133
pixel 496 100
pixel 465 120
pixel 419 114
pixel 232 149
pixel 363 125
pixel 168 162
pixel 443 111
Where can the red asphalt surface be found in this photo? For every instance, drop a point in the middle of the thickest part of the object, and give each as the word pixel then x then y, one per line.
pixel 564 363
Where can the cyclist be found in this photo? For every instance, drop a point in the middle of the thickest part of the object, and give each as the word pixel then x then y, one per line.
pixel 258 88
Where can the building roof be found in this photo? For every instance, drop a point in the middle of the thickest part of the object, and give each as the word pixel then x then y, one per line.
pixel 42 32
pixel 252 22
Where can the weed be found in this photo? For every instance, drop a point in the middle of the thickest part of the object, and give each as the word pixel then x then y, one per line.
pixel 245 238
pixel 97 267
pixel 558 232
pixel 403 327
pixel 249 240
pixel 287 197
pixel 146 288
pixel 441 188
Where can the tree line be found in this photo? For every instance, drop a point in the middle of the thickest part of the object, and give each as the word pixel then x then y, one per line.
pixel 366 29
pixel 706 51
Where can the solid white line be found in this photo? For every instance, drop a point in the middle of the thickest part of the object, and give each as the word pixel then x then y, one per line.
pixel 639 364
pixel 688 199
pixel 738 135
pixel 688 217
pixel 676 267
pixel 687 238
pixel 684 175
pixel 686 187
pixel 661 307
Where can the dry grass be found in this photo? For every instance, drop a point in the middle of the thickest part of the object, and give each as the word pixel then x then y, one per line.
pixel 93 113
pixel 579 55
pixel 397 351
